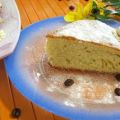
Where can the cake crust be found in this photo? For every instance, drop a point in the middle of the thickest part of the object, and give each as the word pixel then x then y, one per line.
pixel 74 39
pixel 80 70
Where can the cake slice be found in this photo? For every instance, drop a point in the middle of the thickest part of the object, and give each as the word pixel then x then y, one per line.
pixel 86 45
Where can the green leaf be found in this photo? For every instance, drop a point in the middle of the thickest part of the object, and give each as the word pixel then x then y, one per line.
pixel 95 11
pixel 107 12
pixel 116 4
pixel 111 1
pixel 102 17
pixel 116 13
pixel 94 4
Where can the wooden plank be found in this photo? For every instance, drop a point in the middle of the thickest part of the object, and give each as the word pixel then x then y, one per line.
pixel 62 5
pixel 6 100
pixel 22 103
pixel 24 17
pixel 5 111
pixel 67 2
pixel 48 10
pixel 57 10
pixel 38 9
pixel 70 2
pixel 58 118
pixel 29 10
pixel 42 114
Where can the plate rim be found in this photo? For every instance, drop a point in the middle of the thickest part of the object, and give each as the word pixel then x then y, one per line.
pixel 53 107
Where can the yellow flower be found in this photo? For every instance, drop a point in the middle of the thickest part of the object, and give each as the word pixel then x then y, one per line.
pixel 81 12
pixel 88 8
pixel 100 4
pixel 101 12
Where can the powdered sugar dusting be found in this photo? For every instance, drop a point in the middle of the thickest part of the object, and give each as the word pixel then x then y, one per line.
pixel 87 88
pixel 90 30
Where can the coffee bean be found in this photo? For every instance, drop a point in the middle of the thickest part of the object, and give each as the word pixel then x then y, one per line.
pixel 69 82
pixel 16 113
pixel 117 91
pixel 117 77
pixel 71 7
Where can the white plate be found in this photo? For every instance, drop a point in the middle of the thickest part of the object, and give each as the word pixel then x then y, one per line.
pixel 11 27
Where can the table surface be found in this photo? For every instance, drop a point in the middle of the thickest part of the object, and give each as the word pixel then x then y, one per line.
pixel 31 11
